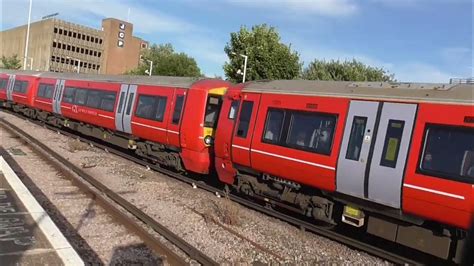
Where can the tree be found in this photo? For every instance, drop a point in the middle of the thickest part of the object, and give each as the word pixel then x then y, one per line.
pixel 268 58
pixel 11 62
pixel 166 62
pixel 345 71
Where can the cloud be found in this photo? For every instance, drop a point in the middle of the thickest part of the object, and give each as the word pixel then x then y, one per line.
pixel 145 20
pixel 321 7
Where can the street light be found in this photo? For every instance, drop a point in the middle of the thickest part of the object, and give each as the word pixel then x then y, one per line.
pixel 78 63
pixel 31 63
pixel 245 66
pixel 151 66
pixel 27 36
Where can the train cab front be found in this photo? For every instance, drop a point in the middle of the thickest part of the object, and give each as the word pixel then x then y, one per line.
pixel 199 128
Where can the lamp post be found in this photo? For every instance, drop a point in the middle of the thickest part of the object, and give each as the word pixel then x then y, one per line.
pixel 27 36
pixel 78 63
pixel 31 63
pixel 245 65
pixel 151 67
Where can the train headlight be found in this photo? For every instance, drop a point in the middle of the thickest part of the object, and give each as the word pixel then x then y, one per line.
pixel 208 140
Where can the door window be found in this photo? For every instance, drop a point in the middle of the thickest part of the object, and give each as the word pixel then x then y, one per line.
pixel 391 147
pixel 130 102
pixel 122 99
pixel 178 107
pixel 244 119
pixel 356 138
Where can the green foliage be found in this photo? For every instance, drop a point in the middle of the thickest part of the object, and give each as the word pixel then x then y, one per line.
pixel 166 62
pixel 345 71
pixel 268 58
pixel 11 62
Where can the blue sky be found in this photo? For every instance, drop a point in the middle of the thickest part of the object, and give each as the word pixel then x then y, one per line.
pixel 417 40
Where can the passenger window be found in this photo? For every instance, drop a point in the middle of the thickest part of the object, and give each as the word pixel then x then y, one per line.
pixel 449 152
pixel 160 109
pixel 3 83
pixel 93 99
pixel 178 107
pixel 391 146
pixel 41 90
pixel 130 102
pixel 233 109
pixel 145 106
pixel 48 93
pixel 311 132
pixel 20 86
pixel 122 99
pixel 107 101
pixel 356 138
pixel 68 96
pixel 244 119
pixel 273 126
pixel 80 97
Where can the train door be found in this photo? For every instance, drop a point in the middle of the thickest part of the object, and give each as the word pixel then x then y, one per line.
pixel 243 131
pixel 374 150
pixel 11 84
pixel 123 113
pixel 58 95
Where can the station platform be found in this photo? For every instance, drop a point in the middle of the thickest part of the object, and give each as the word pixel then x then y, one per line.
pixel 28 236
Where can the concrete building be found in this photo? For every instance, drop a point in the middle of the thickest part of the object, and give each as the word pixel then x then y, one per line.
pixel 61 46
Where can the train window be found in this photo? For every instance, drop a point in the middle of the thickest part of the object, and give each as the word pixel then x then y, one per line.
pixel 178 107
pixel 356 138
pixel 80 97
pixel 449 153
pixel 311 132
pixel 273 126
pixel 244 119
pixel 130 102
pixel 391 147
pixel 233 109
pixel 20 86
pixel 93 98
pixel 160 109
pixel 212 111
pixel 3 83
pixel 145 106
pixel 107 101
pixel 68 96
pixel 122 99
pixel 45 91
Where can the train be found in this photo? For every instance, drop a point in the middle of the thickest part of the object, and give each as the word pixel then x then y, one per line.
pixel 393 160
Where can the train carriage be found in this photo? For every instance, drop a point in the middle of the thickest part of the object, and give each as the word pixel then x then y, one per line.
pixel 170 120
pixel 356 153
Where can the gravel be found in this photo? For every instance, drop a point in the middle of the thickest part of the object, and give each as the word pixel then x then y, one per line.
pixel 191 213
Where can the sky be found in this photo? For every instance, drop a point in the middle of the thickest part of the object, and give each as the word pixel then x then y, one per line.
pixel 417 40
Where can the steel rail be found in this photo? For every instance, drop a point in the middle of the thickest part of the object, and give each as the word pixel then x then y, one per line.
pixel 105 193
pixel 333 235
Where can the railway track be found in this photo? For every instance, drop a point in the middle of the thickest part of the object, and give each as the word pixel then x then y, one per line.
pixel 361 245
pixel 113 203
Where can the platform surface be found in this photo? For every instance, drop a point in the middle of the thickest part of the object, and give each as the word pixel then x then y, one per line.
pixel 27 234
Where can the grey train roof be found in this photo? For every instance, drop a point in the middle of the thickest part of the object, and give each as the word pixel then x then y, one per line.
pixel 425 92
pixel 182 82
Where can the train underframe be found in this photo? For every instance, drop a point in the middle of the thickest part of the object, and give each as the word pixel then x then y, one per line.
pixel 332 209
pixel 327 209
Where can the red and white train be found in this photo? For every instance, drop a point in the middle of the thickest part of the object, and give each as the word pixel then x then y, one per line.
pixel 395 160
